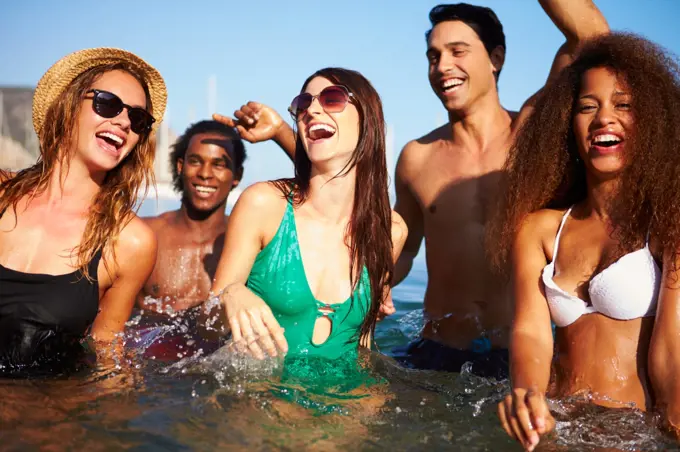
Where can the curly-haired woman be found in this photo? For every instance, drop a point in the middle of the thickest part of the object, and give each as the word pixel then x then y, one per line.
pixel 590 224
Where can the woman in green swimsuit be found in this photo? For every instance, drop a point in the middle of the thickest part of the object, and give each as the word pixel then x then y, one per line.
pixel 307 261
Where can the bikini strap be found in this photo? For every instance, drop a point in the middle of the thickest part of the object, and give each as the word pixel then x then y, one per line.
pixel 559 233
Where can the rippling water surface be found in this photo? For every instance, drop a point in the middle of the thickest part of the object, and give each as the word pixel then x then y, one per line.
pixel 212 401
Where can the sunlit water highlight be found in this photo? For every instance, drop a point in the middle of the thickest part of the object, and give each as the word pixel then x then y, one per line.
pixel 201 397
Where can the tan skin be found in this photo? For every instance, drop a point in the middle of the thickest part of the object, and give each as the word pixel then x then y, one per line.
pixel 321 223
pixel 597 355
pixel 38 236
pixel 191 239
pixel 447 180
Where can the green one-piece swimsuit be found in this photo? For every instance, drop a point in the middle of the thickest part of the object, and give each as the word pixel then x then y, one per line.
pixel 278 277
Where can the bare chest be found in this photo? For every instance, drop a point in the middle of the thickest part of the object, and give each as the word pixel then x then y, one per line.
pixel 184 268
pixel 458 187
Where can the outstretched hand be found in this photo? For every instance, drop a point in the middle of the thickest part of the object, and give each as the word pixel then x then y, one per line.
pixel 254 329
pixel 525 416
pixel 254 122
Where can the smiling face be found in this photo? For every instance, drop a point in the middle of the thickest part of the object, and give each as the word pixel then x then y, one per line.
pixel 602 122
pixel 208 171
pixel 102 143
pixel 327 136
pixel 460 68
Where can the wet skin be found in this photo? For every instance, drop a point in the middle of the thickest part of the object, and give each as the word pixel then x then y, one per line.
pixel 190 239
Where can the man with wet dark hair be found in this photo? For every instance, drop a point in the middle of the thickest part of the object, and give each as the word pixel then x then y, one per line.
pixel 206 163
pixel 483 22
pixel 447 180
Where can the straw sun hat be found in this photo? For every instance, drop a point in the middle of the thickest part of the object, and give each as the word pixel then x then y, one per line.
pixel 64 71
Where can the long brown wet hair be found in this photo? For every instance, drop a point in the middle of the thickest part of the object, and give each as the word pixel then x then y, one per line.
pixel 116 201
pixel 543 169
pixel 369 233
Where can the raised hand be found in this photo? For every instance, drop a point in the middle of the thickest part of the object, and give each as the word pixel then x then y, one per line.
pixel 525 416
pixel 254 329
pixel 255 122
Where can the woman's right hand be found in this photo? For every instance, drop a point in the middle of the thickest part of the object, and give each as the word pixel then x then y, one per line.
pixel 254 122
pixel 254 329
pixel 525 416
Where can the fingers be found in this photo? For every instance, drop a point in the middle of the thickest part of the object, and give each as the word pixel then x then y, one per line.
pixel 235 327
pixel 249 336
pixel 246 135
pixel 539 411
pixel 223 119
pixel 275 331
pixel 504 413
pixel 255 107
pixel 247 115
pixel 523 421
pixel 519 413
pixel 264 338
pixel 518 432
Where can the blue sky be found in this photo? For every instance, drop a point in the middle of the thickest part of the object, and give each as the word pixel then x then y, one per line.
pixel 263 50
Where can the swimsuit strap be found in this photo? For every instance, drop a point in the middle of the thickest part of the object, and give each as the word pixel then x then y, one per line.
pixel 559 233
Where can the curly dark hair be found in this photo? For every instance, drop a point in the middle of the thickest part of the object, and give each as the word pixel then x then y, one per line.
pixel 543 169
pixel 208 126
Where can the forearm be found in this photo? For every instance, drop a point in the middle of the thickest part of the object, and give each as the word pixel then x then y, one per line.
pixel 529 362
pixel 285 138
pixel 402 267
pixel 664 367
pixel 578 20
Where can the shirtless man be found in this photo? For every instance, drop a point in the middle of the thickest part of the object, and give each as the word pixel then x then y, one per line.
pixel 207 163
pixel 447 181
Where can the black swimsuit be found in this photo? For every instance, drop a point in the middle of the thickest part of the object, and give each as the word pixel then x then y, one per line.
pixel 44 317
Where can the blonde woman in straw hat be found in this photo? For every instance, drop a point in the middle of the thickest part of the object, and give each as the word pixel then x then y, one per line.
pixel 73 255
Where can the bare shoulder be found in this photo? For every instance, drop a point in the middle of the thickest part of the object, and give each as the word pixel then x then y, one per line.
pixel 416 152
pixel 259 210
pixel 540 228
pixel 158 222
pixel 136 240
pixel 261 195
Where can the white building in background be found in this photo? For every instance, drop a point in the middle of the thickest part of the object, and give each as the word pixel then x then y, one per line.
pixel 18 142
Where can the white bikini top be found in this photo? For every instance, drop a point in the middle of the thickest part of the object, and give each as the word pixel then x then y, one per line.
pixel 627 289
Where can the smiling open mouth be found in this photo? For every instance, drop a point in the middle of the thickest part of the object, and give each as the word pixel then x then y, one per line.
pixel 606 140
pixel 111 139
pixel 320 131
pixel 450 85
pixel 205 189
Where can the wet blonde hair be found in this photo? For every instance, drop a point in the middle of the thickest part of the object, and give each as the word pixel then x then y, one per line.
pixel 117 200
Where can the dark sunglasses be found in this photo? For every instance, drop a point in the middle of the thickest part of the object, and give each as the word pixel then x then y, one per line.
pixel 108 105
pixel 333 99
